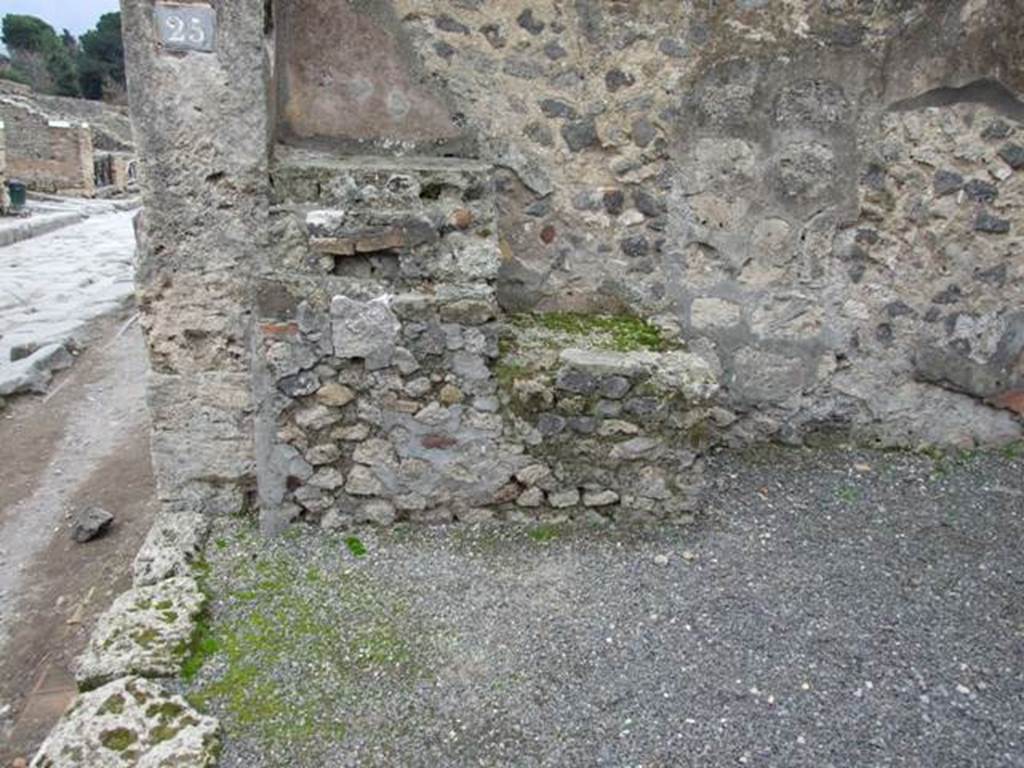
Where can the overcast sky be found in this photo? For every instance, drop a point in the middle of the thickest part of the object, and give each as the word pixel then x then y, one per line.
pixel 77 15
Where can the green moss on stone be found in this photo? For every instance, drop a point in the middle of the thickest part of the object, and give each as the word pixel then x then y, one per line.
pixel 114 705
pixel 622 333
pixel 378 645
pixel 146 637
pixel 163 732
pixel 506 372
pixel 202 645
pixel 118 739
pixel 139 695
pixel 699 435
pixel 166 710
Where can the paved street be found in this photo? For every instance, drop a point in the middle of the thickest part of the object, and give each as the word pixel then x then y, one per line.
pixel 85 442
pixel 51 285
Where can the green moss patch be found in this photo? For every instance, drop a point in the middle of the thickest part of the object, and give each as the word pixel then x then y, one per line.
pixel 849 494
pixel 166 710
pixel 544 533
pixel 622 333
pixel 118 739
pixel 506 372
pixel 290 645
pixel 146 637
pixel 114 705
pixel 202 646
pixel 355 546
pixel 164 732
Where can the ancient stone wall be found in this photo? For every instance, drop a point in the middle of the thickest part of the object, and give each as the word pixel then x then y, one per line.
pixel 427 259
pixel 768 174
pixel 12 87
pixel 390 385
pixel 114 172
pixel 110 123
pixel 48 155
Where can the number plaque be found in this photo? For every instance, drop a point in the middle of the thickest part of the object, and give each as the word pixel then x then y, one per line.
pixel 186 27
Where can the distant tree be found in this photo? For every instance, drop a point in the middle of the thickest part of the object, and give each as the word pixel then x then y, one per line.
pixel 27 33
pixel 61 67
pixel 70 42
pixel 101 59
pixel 39 54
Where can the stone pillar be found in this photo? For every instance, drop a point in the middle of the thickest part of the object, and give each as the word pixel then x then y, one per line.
pixel 120 175
pixel 200 113
pixel 84 160
pixel 4 201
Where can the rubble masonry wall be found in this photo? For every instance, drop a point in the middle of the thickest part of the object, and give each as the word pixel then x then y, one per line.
pixel 403 276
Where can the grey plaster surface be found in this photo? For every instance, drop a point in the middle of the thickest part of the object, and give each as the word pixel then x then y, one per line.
pixel 827 609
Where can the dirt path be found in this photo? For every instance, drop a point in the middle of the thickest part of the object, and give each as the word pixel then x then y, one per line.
pixel 84 443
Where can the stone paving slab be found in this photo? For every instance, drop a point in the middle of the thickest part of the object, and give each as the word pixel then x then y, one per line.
pixel 130 722
pixel 827 609
pixel 51 285
pixel 47 214
pixel 144 632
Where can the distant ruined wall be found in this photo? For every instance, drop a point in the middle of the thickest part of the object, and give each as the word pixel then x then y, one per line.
pixel 815 205
pixel 110 123
pixel 48 155
pixel 114 172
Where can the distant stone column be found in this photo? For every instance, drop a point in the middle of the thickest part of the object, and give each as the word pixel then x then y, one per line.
pixel 198 82
pixel 86 158
pixel 4 200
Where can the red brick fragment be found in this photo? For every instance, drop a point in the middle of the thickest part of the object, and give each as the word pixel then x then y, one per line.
pixel 438 441
pixel 280 329
pixel 1011 401
pixel 462 218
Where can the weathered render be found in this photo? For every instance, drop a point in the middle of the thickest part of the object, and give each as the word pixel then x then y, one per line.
pixel 202 125
pixel 366 225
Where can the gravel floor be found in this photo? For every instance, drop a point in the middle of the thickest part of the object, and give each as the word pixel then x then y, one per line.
pixel 828 609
